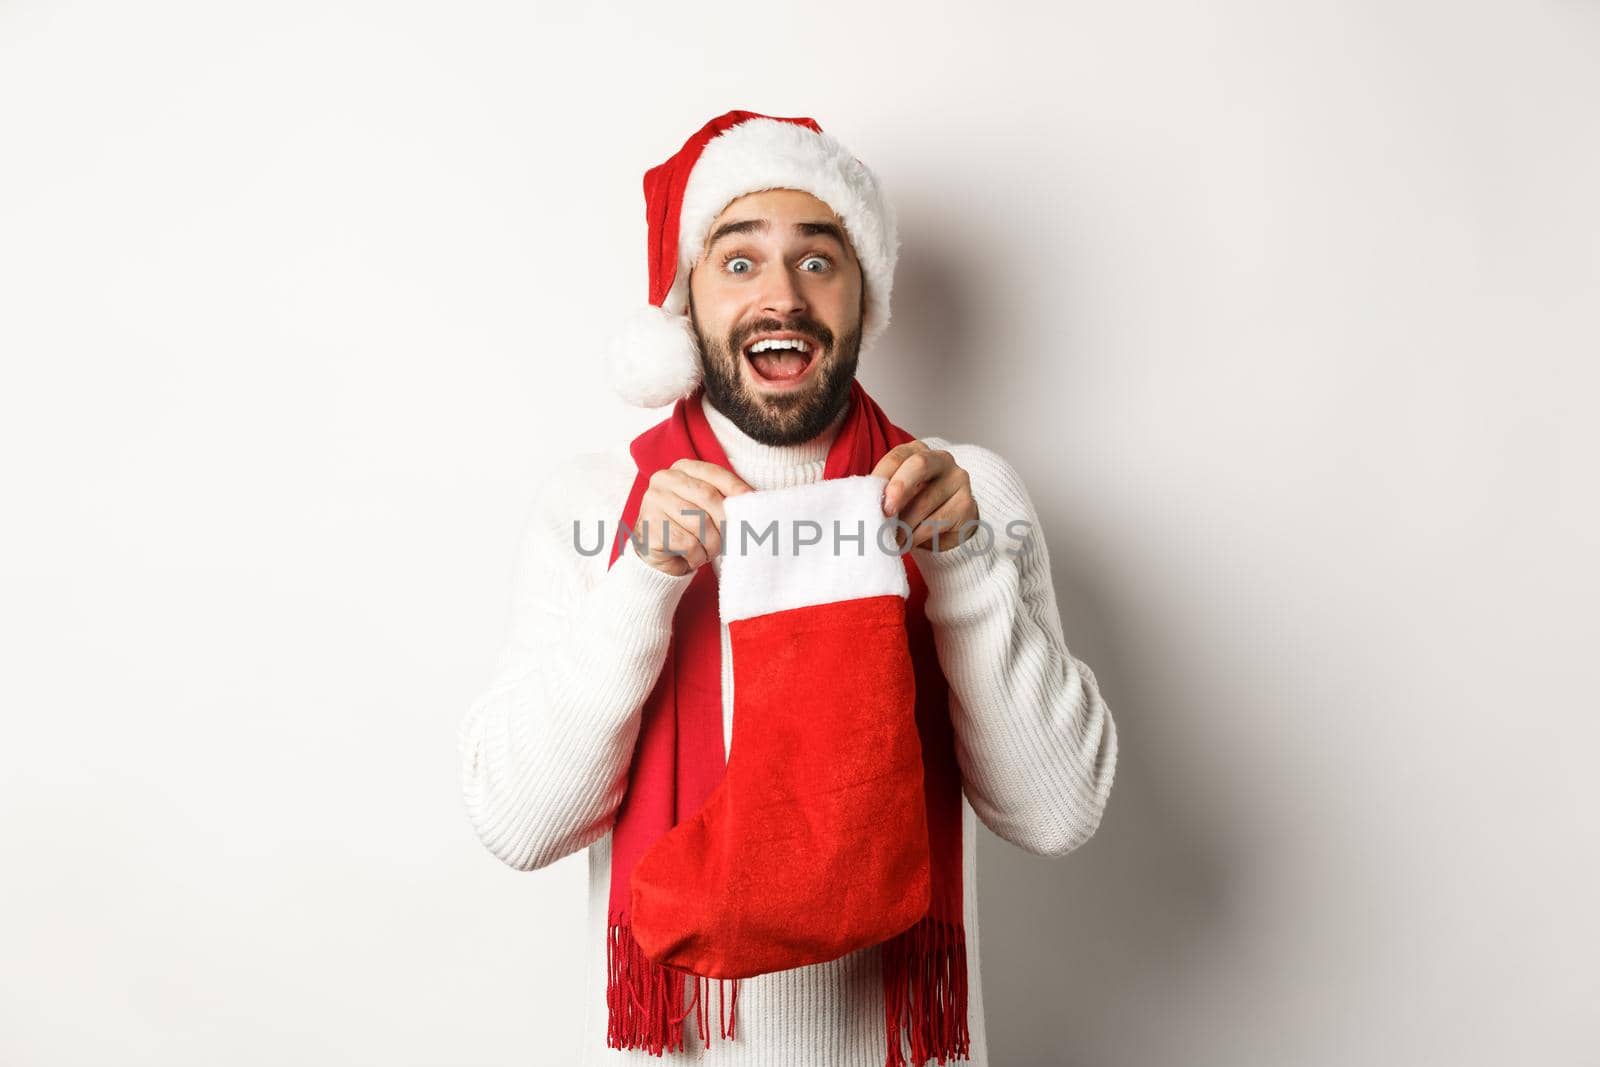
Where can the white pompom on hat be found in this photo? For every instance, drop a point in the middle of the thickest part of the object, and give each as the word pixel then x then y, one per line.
pixel 654 357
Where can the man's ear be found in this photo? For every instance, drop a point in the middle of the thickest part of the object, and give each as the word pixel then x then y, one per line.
pixel 688 283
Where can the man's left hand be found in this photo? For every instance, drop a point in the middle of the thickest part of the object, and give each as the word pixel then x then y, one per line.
pixel 931 493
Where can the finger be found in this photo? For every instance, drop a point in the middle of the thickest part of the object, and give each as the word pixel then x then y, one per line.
pixel 663 525
pixel 650 539
pixel 893 458
pixel 727 482
pixel 700 512
pixel 678 540
pixel 928 500
pixel 696 496
pixel 934 493
pixel 909 477
pixel 952 523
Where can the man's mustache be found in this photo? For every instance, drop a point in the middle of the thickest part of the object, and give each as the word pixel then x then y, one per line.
pixel 816 331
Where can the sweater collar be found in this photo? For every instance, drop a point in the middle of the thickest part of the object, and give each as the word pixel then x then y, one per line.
pixel 772 466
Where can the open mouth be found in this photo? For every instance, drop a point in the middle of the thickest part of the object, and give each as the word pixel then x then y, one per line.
pixel 780 358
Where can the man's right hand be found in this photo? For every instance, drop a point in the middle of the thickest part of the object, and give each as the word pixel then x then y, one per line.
pixel 673 542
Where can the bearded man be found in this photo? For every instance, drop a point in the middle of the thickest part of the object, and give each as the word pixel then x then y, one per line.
pixel 777 758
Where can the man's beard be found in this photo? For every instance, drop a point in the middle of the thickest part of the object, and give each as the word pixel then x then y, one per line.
pixel 787 418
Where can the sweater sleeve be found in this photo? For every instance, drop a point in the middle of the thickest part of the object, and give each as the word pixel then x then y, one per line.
pixel 1036 743
pixel 545 749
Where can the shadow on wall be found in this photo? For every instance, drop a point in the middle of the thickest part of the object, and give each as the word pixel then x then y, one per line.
pixel 921 370
pixel 1075 949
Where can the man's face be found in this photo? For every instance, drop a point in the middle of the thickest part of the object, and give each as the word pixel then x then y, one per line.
pixel 777 262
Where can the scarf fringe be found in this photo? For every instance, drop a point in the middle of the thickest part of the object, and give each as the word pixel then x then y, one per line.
pixel 643 998
pixel 925 996
pixel 925 993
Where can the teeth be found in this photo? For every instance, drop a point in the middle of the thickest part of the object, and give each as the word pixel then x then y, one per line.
pixel 778 344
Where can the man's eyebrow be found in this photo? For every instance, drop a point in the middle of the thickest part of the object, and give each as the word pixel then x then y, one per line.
pixel 807 229
pixel 823 229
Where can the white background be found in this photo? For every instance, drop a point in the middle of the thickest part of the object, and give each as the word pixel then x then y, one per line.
pixel 1287 313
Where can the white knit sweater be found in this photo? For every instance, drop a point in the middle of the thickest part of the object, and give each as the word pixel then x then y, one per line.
pixel 545 750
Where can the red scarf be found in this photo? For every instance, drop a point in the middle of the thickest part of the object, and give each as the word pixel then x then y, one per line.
pixel 678 760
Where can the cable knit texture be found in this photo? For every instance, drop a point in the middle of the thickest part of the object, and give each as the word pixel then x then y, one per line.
pixel 545 749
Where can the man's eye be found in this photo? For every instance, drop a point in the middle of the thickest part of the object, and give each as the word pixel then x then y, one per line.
pixel 728 264
pixel 817 259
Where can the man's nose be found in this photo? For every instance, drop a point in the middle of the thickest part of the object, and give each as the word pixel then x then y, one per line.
pixel 782 296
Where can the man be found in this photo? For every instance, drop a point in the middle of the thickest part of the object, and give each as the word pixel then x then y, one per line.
pixel 772 253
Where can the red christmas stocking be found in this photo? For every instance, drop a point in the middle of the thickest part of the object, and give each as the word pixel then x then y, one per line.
pixel 815 842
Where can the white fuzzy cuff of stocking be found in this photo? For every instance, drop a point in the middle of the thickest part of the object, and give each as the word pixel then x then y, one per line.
pixel 807 544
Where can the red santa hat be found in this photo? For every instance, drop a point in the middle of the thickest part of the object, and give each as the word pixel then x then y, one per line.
pixel 654 359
